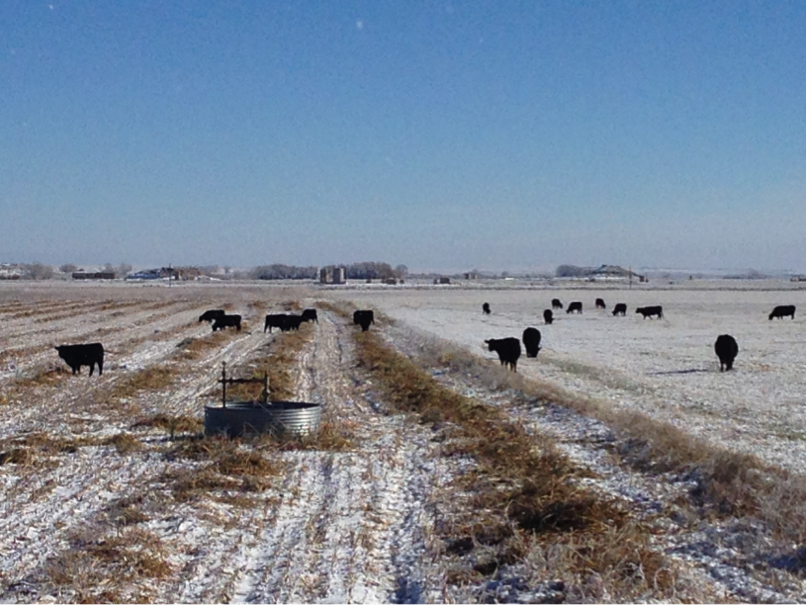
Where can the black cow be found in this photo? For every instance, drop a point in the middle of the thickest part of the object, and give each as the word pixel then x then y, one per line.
pixel 556 304
pixel 274 320
pixel 726 349
pixel 508 349
pixel 225 321
pixel 650 311
pixel 210 315
pixel 547 316
pixel 292 322
pixel 619 309
pixel 574 306
pixel 310 315
pixel 531 339
pixel 486 308
pixel 783 311
pixel 83 355
pixel 363 319
pixel 599 303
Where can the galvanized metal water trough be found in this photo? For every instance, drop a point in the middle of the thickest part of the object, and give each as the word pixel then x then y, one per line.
pixel 241 418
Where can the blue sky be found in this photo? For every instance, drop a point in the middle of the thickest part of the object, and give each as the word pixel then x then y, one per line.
pixel 440 135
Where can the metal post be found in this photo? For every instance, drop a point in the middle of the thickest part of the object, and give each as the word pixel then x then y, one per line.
pixel 224 384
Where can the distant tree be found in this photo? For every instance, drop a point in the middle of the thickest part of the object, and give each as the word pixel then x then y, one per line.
pixel 278 271
pixel 401 271
pixel 124 269
pixel 108 268
pixel 68 268
pixel 571 271
pixel 37 271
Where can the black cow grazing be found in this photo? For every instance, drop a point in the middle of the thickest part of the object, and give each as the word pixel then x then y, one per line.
pixel 547 316
pixel 292 323
pixel 486 308
pixel 574 306
pixel 508 349
pixel 225 321
pixel 210 315
pixel 783 311
pixel 726 349
pixel 274 320
pixel 83 355
pixel 599 303
pixel 531 339
pixel 619 309
pixel 556 304
pixel 310 315
pixel 363 319
pixel 650 311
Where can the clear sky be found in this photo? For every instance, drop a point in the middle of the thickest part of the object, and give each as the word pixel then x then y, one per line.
pixel 441 135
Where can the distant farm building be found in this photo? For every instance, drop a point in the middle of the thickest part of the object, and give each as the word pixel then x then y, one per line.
pixel 614 271
pixel 471 275
pixel 332 276
pixel 442 280
pixel 93 275
pixel 9 271
pixel 161 273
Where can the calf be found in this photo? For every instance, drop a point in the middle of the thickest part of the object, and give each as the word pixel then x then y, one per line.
pixel 574 306
pixel 310 315
pixel 726 349
pixel 619 309
pixel 508 349
pixel 225 321
pixel 83 355
pixel 210 315
pixel 783 311
pixel 650 311
pixel 274 320
pixel 599 303
pixel 363 319
pixel 556 304
pixel 531 338
pixel 547 316
pixel 486 308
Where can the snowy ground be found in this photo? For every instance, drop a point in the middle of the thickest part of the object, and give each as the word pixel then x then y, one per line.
pixel 97 522
pixel 666 368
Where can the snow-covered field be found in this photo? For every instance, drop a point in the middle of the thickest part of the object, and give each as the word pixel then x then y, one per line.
pixel 91 506
pixel 665 368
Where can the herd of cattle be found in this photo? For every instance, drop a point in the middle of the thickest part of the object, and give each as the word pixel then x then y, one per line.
pixel 509 349
pixel 93 354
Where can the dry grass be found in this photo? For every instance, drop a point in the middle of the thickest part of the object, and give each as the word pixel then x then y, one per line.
pixel 194 348
pixel 96 569
pixel 44 378
pixel 44 444
pixel 228 467
pixel 18 455
pixel 147 379
pixel 519 488
pixel 729 483
pixel 331 437
pixel 173 424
